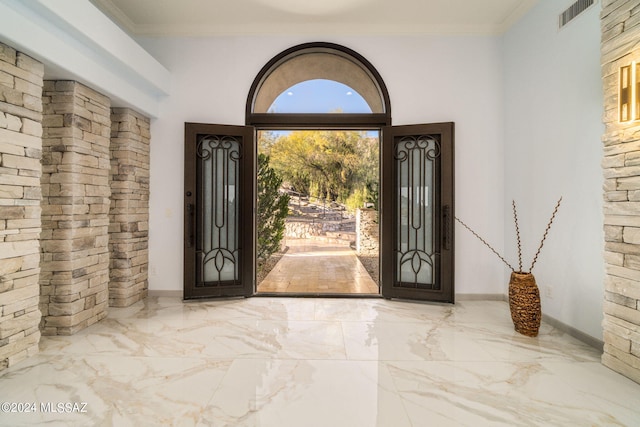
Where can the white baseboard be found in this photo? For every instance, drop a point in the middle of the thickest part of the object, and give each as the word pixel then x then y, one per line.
pixel 570 330
pixel 561 326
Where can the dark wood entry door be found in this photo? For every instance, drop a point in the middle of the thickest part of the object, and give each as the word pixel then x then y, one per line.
pixel 417 203
pixel 219 194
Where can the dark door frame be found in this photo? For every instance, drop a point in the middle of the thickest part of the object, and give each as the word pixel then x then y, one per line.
pixel 443 228
pixel 307 121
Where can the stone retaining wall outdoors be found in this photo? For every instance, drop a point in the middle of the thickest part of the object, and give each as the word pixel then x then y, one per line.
pixel 20 225
pixel 367 232
pixel 306 229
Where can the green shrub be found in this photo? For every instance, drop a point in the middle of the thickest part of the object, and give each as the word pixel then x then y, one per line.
pixel 356 200
pixel 272 209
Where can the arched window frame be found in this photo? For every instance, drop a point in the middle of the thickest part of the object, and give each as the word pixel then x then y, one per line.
pixel 314 120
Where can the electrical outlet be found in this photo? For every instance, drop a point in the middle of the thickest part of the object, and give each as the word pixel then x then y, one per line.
pixel 548 292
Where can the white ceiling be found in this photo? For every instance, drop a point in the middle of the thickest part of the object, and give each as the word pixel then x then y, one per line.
pixel 236 17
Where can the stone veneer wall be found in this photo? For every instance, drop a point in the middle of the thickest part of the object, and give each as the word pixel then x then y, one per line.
pixel 20 169
pixel 367 232
pixel 621 45
pixel 75 208
pixel 129 213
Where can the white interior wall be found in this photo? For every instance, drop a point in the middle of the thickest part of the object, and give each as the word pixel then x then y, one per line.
pixel 553 125
pixel 527 108
pixel 430 79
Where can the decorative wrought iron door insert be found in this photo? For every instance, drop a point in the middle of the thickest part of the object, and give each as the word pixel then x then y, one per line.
pixel 218 175
pixel 416 248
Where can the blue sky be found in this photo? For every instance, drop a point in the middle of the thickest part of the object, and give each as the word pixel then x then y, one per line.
pixel 319 96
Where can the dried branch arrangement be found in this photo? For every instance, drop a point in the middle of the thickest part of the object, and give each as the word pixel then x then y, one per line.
pixel 515 218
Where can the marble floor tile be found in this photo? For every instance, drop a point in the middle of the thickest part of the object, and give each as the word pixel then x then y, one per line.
pixel 280 362
pixel 310 393
pixel 118 391
pixel 515 394
pixel 380 310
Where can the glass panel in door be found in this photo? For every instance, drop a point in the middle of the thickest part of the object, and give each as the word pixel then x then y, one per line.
pixel 415 157
pixel 218 177
pixel 219 203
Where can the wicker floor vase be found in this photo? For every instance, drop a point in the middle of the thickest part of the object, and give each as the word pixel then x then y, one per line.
pixel 524 302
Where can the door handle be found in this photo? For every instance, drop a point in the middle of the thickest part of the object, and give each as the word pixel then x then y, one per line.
pixel 190 225
pixel 446 227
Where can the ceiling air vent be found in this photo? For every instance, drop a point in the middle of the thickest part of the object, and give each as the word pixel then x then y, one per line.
pixel 574 10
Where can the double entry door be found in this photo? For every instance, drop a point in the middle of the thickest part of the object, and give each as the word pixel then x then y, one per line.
pixel 416 211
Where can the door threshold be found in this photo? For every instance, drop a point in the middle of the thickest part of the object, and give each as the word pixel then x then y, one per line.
pixel 313 295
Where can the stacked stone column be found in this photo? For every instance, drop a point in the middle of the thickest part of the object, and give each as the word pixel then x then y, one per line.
pixel 129 228
pixel 20 169
pixel 75 209
pixel 621 165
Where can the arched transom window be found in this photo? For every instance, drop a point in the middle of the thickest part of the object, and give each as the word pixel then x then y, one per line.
pixel 353 91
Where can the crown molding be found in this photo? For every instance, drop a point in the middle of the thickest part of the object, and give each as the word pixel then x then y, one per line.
pixel 116 15
pixel 515 15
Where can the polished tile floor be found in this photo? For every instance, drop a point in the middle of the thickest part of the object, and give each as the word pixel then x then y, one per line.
pixel 315 267
pixel 285 362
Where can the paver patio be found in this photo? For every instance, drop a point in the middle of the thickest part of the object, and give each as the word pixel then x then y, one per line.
pixel 312 266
